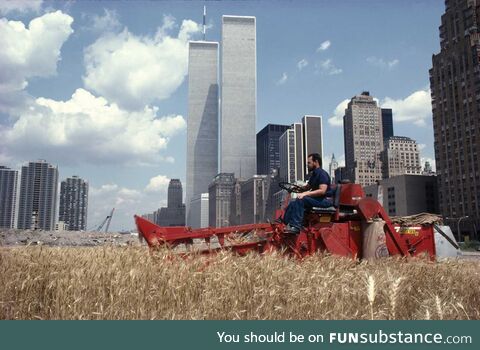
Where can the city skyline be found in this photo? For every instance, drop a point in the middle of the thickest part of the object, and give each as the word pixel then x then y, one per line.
pixel 295 78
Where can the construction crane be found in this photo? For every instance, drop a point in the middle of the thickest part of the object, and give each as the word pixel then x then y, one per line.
pixel 107 221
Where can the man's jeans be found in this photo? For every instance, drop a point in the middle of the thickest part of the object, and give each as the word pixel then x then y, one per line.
pixel 295 210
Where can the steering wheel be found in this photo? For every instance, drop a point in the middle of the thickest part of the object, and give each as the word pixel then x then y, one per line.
pixel 289 187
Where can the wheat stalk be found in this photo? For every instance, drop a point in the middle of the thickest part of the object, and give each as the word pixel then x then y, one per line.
pixel 394 296
pixel 438 305
pixel 131 283
pixel 371 293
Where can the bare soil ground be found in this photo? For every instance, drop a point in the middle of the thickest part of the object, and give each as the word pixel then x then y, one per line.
pixel 13 237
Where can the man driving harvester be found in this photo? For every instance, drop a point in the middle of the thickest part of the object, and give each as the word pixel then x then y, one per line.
pixel 316 193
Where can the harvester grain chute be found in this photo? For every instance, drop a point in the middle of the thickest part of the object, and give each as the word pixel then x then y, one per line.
pixel 357 227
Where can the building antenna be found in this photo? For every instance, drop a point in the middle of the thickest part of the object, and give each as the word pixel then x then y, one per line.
pixel 204 16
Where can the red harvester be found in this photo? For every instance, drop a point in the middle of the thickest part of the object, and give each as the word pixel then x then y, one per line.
pixel 342 231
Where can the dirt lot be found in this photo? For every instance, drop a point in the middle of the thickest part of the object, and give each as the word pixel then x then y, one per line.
pixel 14 237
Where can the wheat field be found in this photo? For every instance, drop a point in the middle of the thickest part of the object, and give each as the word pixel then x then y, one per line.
pixel 131 283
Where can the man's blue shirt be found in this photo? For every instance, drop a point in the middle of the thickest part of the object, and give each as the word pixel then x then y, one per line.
pixel 320 177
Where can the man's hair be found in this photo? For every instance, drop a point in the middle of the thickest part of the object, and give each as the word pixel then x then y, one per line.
pixel 316 158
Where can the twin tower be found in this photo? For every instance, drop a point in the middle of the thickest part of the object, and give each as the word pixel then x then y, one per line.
pixel 222 110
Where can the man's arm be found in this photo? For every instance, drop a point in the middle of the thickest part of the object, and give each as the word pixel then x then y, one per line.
pixel 322 189
pixel 306 187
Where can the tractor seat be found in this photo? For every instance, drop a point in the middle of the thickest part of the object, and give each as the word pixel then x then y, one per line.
pixel 318 210
pixel 329 210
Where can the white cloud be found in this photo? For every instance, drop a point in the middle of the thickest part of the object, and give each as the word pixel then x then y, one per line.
pixel 324 46
pixel 158 183
pixel 393 63
pixel 338 113
pixel 283 79
pixel 126 201
pixel 302 64
pixel 103 189
pixel 380 62
pixel 415 108
pixel 327 67
pixel 167 25
pixel 133 71
pixel 20 6
pixel 31 51
pixel 421 146
pixel 108 22
pixel 88 129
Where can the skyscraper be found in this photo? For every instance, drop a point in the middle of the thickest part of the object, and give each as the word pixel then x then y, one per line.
pixel 174 213
pixel 454 84
pixel 73 203
pixel 363 138
pixel 219 199
pixel 268 152
pixel 38 196
pixel 254 196
pixel 387 123
pixel 332 167
pixel 199 207
pixel 400 157
pixel 239 95
pixel 292 164
pixel 175 194
pixel 202 121
pixel 340 174
pixel 8 196
pixel 312 136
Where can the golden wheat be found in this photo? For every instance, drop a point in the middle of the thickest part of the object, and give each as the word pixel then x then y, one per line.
pixel 131 283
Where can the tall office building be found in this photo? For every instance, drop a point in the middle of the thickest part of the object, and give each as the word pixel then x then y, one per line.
pixel 199 211
pixel 202 121
pixel 340 174
pixel 363 138
pixel 251 198
pixel 332 167
pixel 236 203
pixel 292 164
pixel 175 206
pixel 312 136
pixel 238 96
pixel 387 123
pixel 8 196
pixel 38 196
pixel 73 203
pixel 400 157
pixel 174 213
pixel 219 199
pixel 175 194
pixel 455 91
pixel 268 151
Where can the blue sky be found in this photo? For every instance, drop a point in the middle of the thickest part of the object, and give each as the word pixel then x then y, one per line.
pixel 99 88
